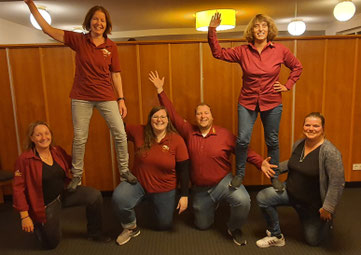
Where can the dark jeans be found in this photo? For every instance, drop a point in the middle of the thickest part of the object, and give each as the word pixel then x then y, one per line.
pixel 314 229
pixel 49 233
pixel 271 123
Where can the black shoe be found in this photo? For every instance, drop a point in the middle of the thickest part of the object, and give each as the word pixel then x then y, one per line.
pixel 128 177
pixel 73 184
pixel 100 238
pixel 236 182
pixel 237 237
pixel 278 185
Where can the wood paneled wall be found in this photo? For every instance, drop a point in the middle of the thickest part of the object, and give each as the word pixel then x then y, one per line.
pixel 36 82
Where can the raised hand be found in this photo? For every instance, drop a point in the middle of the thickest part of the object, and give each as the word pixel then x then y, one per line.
pixel 158 83
pixel 216 20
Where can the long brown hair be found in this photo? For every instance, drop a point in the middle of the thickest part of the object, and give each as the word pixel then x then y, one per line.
pixel 272 28
pixel 29 144
pixel 149 136
pixel 90 14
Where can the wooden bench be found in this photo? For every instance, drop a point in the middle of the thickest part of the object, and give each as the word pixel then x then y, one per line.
pixel 5 179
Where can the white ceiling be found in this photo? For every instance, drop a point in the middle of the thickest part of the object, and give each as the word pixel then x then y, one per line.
pixel 151 17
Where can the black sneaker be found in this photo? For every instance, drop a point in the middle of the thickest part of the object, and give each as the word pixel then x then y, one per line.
pixel 278 185
pixel 100 238
pixel 128 177
pixel 236 182
pixel 73 184
pixel 237 237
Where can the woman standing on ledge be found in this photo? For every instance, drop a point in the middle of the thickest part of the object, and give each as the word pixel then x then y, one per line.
pixel 261 92
pixel 97 74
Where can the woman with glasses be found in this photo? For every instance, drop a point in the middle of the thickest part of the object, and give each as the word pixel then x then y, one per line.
pixel 160 157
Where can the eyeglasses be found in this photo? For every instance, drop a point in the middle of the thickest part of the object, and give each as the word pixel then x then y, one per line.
pixel 159 117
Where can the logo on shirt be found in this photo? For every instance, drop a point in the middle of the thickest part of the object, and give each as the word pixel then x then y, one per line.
pixel 165 148
pixel 106 53
pixel 18 173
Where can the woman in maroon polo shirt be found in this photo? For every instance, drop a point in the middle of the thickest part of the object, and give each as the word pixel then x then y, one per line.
pixel 261 61
pixel 41 173
pixel 97 70
pixel 160 156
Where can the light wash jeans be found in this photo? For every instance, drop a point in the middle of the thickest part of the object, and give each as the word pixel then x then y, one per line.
pixel 314 229
pixel 126 196
pixel 271 123
pixel 82 112
pixel 205 201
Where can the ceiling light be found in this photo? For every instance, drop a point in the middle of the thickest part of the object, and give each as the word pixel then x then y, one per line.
pixel 43 13
pixel 344 10
pixel 204 17
pixel 296 27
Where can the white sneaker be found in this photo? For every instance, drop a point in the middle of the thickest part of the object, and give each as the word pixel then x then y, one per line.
pixel 126 235
pixel 269 241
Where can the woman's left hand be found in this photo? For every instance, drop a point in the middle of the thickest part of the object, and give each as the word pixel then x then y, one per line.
pixel 278 87
pixel 122 108
pixel 325 215
pixel 182 204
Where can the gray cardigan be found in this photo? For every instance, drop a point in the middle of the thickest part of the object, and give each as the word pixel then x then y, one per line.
pixel 332 179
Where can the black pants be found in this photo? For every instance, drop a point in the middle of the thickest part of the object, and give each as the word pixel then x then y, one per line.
pixel 49 233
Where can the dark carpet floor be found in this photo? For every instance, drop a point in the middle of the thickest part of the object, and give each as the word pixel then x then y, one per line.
pixel 185 239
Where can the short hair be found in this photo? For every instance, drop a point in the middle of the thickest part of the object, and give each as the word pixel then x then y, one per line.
pixel 272 28
pixel 90 14
pixel 29 144
pixel 317 115
pixel 202 104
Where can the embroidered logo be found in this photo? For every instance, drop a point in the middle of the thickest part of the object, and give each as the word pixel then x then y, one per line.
pixel 165 148
pixel 106 53
pixel 18 173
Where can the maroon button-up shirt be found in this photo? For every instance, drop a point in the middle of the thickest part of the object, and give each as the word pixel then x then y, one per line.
pixel 260 71
pixel 210 155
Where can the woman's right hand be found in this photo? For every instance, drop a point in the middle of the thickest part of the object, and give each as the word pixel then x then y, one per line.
pixel 27 224
pixel 216 20
pixel 158 83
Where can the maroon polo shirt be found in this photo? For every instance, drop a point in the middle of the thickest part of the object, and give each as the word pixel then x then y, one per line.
pixel 94 65
pixel 28 184
pixel 260 71
pixel 155 168
pixel 210 155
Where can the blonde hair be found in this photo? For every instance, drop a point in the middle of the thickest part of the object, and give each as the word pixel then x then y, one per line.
pixel 272 28
pixel 29 144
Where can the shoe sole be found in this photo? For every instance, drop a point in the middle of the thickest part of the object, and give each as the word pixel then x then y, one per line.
pixel 273 245
pixel 239 244
pixel 130 237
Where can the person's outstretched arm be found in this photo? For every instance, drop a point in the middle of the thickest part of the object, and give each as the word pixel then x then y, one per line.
pixel 54 33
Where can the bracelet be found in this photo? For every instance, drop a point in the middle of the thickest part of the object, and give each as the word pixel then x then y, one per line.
pixel 120 98
pixel 24 217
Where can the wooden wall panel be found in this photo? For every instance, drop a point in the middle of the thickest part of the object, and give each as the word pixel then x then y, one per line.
pixel 185 76
pixel 58 70
pixel 97 161
pixel 218 87
pixel 153 58
pixel 338 94
pixel 28 87
pixel 309 89
pixel 355 152
pixel 128 63
pixel 8 148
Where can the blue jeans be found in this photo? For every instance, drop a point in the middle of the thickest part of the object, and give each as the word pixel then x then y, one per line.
pixel 205 201
pixel 126 196
pixel 82 112
pixel 314 229
pixel 271 123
